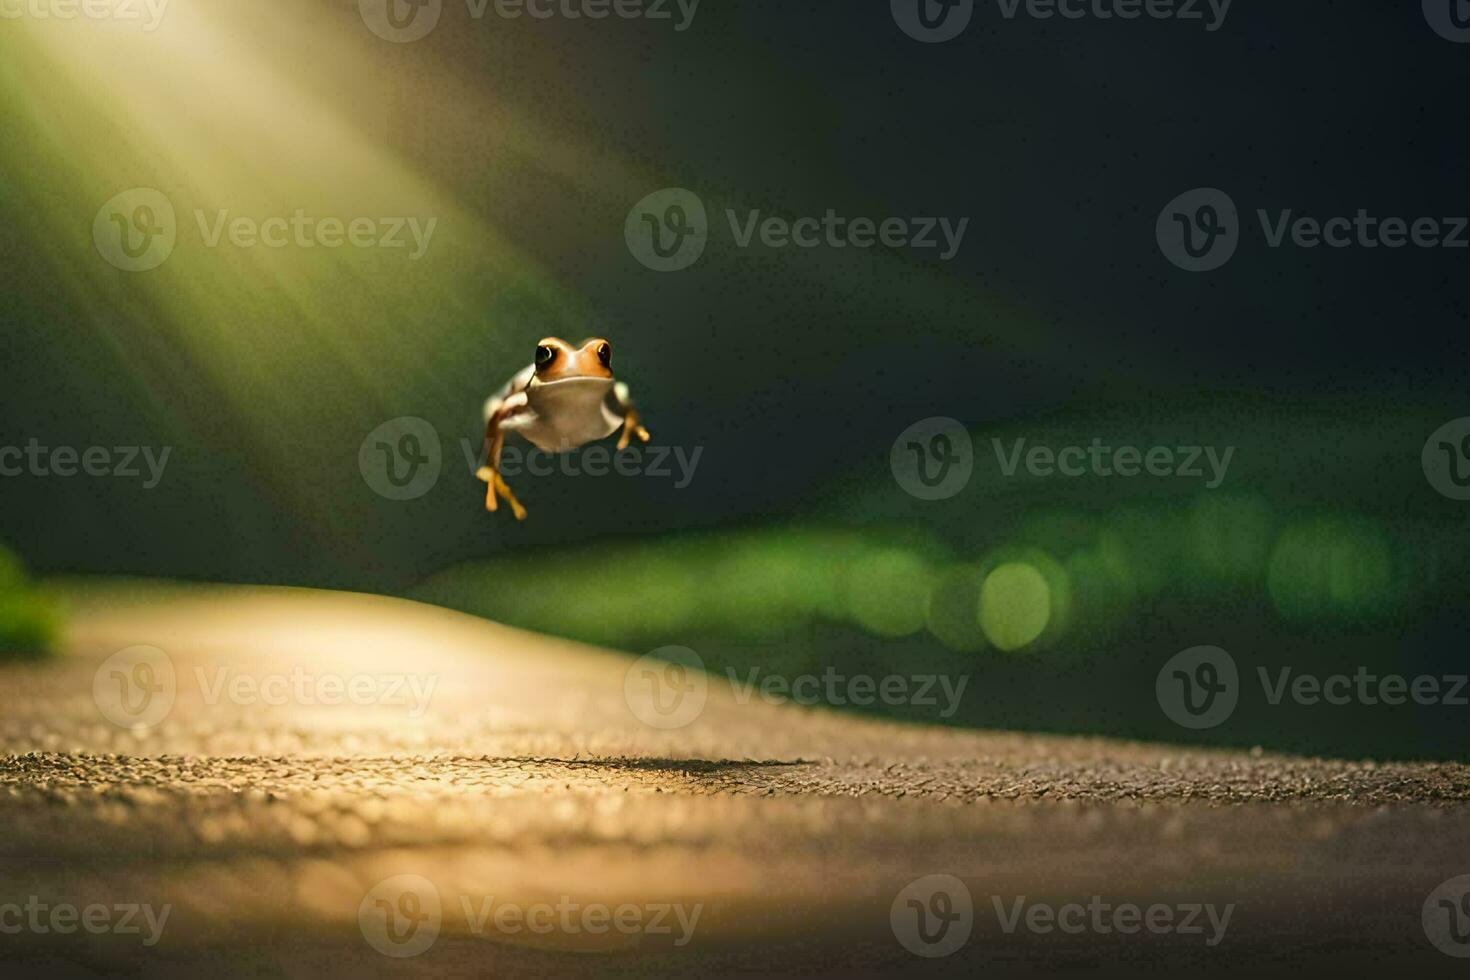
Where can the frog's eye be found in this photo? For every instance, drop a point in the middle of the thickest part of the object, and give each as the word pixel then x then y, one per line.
pixel 545 355
pixel 604 354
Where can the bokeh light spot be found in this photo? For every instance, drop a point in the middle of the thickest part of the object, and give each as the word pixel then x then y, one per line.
pixel 1015 605
pixel 1332 568
pixel 888 592
pixel 1230 537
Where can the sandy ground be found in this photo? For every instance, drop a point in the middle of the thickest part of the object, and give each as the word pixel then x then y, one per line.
pixel 495 803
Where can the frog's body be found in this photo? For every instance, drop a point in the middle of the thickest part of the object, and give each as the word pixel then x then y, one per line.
pixel 558 415
pixel 565 399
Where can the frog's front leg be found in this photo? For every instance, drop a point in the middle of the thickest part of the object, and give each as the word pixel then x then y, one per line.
pixel 631 418
pixel 490 472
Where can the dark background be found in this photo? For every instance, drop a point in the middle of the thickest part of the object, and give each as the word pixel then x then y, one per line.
pixel 793 369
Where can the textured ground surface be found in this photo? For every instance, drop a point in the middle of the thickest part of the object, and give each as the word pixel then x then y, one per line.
pixel 265 820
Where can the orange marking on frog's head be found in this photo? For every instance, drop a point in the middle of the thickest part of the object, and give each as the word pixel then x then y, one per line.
pixel 557 360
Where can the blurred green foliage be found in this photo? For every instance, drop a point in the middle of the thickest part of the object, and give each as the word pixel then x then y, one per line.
pixel 1063 578
pixel 1060 599
pixel 29 621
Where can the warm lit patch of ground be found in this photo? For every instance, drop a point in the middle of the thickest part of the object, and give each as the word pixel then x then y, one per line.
pixel 502 767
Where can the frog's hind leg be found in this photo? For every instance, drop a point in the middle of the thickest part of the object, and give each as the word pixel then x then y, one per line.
pixel 490 472
pixel 632 421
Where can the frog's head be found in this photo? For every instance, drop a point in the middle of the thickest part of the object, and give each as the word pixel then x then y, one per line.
pixel 557 360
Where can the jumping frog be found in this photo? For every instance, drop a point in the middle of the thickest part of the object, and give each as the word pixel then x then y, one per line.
pixel 565 399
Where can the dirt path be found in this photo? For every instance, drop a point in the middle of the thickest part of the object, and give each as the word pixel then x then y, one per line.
pixel 499 800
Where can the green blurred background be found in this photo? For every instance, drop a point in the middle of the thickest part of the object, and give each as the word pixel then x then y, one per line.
pixel 793 371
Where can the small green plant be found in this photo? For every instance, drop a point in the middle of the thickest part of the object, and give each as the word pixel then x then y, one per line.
pixel 29 621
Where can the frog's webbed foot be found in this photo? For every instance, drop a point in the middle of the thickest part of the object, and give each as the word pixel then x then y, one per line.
pixel 499 488
pixel 631 428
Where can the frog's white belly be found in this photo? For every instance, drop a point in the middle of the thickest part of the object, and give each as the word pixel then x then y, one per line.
pixel 562 415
